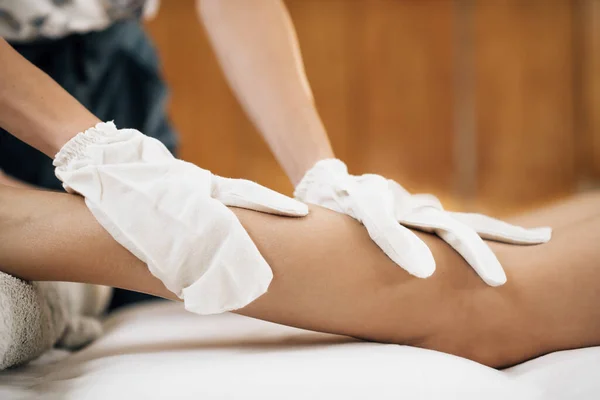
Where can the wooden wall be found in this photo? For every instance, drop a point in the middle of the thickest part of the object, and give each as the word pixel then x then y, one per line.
pixel 490 104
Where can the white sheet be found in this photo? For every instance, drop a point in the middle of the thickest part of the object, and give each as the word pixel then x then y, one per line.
pixel 159 351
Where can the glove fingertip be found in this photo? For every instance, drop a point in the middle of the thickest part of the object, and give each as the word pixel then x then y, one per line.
pixel 530 236
pixel 299 209
pixel 495 281
pixel 424 270
pixel 493 277
pixel 287 207
pixel 403 247
pixel 543 234
pixel 250 195
pixel 422 266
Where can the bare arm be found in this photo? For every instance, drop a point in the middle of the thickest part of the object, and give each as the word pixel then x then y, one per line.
pixel 257 47
pixel 335 279
pixel 36 109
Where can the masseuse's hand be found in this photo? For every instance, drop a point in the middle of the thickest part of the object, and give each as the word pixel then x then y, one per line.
pixel 172 215
pixel 385 208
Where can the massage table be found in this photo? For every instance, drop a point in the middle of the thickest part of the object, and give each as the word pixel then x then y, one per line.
pixel 157 350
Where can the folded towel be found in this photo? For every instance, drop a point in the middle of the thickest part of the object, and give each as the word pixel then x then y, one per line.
pixel 36 316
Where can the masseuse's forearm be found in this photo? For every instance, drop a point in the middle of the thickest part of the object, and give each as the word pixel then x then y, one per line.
pixel 258 50
pixel 36 109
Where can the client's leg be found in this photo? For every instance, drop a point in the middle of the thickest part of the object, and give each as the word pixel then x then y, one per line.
pixel 329 276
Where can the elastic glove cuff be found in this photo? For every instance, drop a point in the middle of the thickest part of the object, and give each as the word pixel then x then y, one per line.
pixel 75 149
pixel 332 165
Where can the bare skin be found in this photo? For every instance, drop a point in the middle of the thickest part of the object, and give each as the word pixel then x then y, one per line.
pixel 256 45
pixel 34 108
pixel 329 276
pixel 258 50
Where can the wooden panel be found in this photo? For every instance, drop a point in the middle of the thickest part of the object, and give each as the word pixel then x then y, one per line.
pixel 524 95
pixel 589 19
pixel 326 32
pixel 405 111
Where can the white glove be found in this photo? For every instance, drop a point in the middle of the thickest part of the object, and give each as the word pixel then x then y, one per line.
pixel 383 207
pixel 172 215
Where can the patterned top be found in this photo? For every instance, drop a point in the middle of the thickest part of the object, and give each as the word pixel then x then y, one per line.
pixel 26 20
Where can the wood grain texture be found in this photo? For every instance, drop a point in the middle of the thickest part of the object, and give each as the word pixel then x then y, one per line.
pixel 326 31
pixel 589 20
pixel 524 99
pixel 405 53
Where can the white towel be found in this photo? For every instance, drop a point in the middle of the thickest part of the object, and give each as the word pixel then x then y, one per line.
pixel 36 316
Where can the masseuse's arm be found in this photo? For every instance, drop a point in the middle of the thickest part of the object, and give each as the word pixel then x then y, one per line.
pixel 329 276
pixel 36 109
pixel 259 52
pixel 257 47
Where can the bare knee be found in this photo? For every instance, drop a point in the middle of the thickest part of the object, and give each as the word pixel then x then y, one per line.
pixel 487 328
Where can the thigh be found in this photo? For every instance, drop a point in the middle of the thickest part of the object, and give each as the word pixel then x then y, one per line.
pixel 549 302
pixel 330 276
